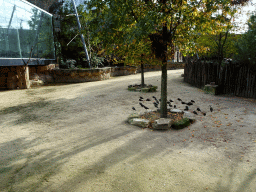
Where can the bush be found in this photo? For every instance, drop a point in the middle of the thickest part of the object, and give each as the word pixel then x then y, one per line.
pixel 68 64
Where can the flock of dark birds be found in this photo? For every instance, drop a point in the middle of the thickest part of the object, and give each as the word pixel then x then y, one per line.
pixel 169 102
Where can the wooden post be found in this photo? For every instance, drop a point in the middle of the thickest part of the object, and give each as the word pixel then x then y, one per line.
pixel 23 77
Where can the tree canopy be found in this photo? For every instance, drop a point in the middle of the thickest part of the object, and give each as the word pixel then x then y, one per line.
pixel 246 45
pixel 162 23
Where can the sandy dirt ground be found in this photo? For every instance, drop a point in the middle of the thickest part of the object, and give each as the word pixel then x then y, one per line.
pixel 75 137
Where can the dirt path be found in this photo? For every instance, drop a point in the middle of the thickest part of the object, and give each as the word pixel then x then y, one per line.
pixel 74 138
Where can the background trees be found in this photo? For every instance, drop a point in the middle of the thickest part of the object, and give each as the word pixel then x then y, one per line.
pixel 246 45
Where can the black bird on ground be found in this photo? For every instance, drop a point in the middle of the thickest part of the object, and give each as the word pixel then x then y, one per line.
pixel 211 109
pixel 171 100
pixel 198 109
pixel 148 99
pixel 170 105
pixel 141 105
pixel 155 104
pixel 168 102
pixel 204 113
pixel 189 103
pixel 192 101
pixel 179 99
pixel 174 106
pixel 195 112
pixel 160 100
pixel 134 108
pixel 186 108
pixel 156 100
pixel 183 102
pixel 141 98
pixel 146 107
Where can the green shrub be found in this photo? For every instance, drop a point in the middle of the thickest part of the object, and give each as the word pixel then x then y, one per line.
pixel 181 123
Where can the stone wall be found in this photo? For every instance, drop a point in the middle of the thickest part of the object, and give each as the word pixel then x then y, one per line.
pixel 87 75
pixel 120 71
pixel 13 77
pixel 10 78
pixel 80 75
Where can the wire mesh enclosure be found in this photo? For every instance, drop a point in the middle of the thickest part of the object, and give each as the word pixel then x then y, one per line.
pixel 24 26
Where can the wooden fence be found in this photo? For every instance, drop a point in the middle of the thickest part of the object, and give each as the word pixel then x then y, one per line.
pixel 231 78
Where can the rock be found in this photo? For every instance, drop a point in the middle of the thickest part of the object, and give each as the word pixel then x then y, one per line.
pixel 176 111
pixel 36 83
pixel 46 78
pixel 162 123
pixel 212 89
pixel 35 77
pixel 189 115
pixel 133 115
pixel 139 122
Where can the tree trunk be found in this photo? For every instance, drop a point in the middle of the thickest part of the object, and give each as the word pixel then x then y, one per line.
pixel 163 107
pixel 142 75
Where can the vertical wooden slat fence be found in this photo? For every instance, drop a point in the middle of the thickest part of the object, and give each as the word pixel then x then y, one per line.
pixel 232 78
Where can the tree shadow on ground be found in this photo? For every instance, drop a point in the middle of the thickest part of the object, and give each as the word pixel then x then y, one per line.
pixel 30 167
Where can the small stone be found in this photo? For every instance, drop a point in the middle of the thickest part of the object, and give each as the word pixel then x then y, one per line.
pixel 176 111
pixel 36 83
pixel 133 115
pixel 162 123
pixel 189 115
pixel 139 122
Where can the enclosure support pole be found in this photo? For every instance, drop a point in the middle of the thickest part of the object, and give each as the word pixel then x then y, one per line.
pixel 7 36
pixel 82 37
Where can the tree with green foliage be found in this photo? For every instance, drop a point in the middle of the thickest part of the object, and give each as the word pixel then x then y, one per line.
pixel 246 45
pixel 67 39
pixel 165 22
pixel 218 42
